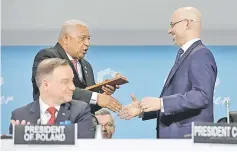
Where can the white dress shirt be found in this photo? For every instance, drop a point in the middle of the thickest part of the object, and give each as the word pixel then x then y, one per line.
pixel 185 47
pixel 188 44
pixel 44 114
pixel 79 69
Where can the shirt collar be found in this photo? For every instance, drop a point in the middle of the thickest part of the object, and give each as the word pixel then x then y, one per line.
pixel 70 58
pixel 189 43
pixel 44 106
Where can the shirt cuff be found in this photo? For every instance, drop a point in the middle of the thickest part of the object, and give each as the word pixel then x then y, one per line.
pixel 161 105
pixel 94 98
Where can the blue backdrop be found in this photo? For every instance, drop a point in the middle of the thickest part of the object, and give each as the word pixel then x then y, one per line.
pixel 146 67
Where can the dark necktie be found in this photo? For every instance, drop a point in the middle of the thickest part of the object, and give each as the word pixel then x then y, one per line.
pixel 180 52
pixel 52 111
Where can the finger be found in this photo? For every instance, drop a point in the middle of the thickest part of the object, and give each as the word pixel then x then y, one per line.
pixel 117 105
pixel 17 122
pixel 117 86
pixel 111 108
pixel 118 108
pixel 110 87
pixel 125 115
pixel 23 122
pixel 118 75
pixel 122 111
pixel 28 123
pixel 116 102
pixel 133 97
pixel 122 114
pixel 129 117
pixel 107 90
pixel 13 122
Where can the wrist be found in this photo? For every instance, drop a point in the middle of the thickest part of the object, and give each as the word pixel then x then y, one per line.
pixel 141 113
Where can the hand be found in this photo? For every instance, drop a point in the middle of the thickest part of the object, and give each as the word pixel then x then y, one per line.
pixel 109 102
pixel 150 104
pixel 109 90
pixel 17 122
pixel 130 111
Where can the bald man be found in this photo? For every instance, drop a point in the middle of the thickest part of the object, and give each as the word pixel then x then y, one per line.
pixel 187 95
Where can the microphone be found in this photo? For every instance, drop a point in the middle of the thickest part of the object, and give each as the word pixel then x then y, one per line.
pixel 95 120
pixel 227 111
pixel 38 122
pixel 97 128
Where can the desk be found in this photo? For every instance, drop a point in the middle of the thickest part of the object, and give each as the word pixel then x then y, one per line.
pixel 104 145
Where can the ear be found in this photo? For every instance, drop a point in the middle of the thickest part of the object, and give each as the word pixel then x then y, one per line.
pixel 188 25
pixel 66 38
pixel 45 84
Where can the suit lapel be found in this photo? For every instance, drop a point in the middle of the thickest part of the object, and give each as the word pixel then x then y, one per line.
pixel 63 55
pixel 64 113
pixel 34 112
pixel 177 65
pixel 85 71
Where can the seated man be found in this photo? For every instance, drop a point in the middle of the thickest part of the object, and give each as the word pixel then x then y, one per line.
pixel 106 119
pixel 54 78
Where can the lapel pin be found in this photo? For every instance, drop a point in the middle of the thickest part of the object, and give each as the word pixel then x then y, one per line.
pixel 63 114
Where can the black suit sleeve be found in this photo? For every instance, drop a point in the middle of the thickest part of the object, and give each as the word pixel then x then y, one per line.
pixel 79 94
pixel 94 107
pixel 149 115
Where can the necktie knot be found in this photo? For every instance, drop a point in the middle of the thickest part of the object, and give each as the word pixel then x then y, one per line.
pixel 180 52
pixel 52 110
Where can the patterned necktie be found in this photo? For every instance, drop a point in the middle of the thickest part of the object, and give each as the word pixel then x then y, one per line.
pixel 74 62
pixel 180 52
pixel 52 111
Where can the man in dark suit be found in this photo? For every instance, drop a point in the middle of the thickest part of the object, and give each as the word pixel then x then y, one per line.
pixel 54 78
pixel 72 45
pixel 187 95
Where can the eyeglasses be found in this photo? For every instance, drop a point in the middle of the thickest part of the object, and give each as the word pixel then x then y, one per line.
pixel 173 24
pixel 107 125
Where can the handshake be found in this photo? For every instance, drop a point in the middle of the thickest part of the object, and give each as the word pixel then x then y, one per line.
pixel 136 108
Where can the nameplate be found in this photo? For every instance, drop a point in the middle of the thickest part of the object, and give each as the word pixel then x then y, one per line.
pixel 221 133
pixel 45 134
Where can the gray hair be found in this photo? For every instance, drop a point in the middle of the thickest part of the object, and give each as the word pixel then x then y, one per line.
pixel 105 112
pixel 70 26
pixel 46 68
